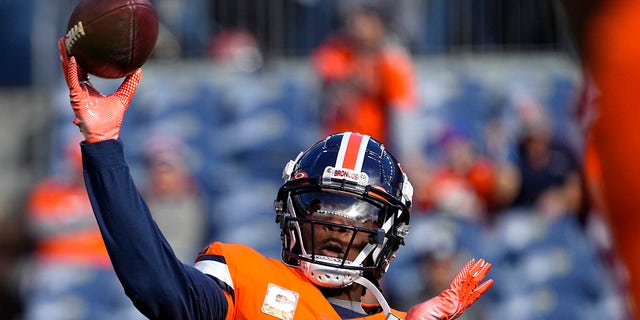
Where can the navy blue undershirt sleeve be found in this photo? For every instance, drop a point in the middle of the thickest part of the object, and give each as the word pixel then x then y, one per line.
pixel 159 285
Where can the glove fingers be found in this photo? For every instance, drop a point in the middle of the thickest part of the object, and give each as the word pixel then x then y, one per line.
pixel 471 291
pixel 477 292
pixel 128 87
pixel 463 273
pixel 464 291
pixel 477 274
pixel 72 77
pixel 64 60
pixel 466 287
pixel 482 288
pixel 483 270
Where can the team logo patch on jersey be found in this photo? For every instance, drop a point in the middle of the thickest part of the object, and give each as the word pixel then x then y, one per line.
pixel 280 302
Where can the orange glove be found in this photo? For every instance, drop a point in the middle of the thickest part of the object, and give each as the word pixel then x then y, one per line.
pixel 465 289
pixel 99 117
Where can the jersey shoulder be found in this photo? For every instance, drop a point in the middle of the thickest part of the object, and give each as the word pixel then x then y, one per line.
pixel 257 284
pixel 239 265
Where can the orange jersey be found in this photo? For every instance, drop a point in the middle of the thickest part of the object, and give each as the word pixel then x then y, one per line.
pixel 66 230
pixel 258 287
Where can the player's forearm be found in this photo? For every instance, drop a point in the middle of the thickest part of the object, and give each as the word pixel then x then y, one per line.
pixel 159 284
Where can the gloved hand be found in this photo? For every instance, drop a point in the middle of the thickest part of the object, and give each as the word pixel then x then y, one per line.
pixel 465 289
pixel 99 117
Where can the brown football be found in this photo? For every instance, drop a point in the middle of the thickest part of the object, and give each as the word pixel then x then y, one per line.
pixel 112 38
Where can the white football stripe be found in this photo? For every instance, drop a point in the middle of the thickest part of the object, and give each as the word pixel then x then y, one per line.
pixel 362 152
pixel 215 269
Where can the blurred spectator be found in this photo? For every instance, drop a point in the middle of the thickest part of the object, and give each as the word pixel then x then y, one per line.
pixel 467 184
pixel 368 78
pixel 174 196
pixel 236 48
pixel 71 275
pixel 550 172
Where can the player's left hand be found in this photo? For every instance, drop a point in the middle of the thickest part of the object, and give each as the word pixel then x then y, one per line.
pixel 465 289
pixel 99 117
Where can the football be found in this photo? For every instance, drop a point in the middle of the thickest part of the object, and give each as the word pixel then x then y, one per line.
pixel 112 38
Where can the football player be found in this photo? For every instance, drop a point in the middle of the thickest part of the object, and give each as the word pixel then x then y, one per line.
pixel 343 210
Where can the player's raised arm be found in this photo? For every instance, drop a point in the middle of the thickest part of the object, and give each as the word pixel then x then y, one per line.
pixel 157 282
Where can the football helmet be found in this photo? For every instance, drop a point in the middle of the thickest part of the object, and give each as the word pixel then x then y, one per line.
pixel 350 184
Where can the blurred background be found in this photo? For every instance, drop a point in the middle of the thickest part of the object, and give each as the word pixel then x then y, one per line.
pixel 495 136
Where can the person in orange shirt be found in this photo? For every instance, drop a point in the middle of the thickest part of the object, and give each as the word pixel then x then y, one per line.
pixel 72 277
pixel 367 76
pixel 60 217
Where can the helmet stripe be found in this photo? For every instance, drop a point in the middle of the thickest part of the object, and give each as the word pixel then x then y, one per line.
pixel 352 150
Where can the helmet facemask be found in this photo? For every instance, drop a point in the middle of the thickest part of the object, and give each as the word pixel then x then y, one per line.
pixel 336 237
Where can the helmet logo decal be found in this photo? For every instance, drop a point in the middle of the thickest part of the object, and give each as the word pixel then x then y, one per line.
pixel 352 150
pixel 330 173
pixel 300 175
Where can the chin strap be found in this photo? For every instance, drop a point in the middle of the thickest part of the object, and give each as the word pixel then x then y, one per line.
pixel 376 293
